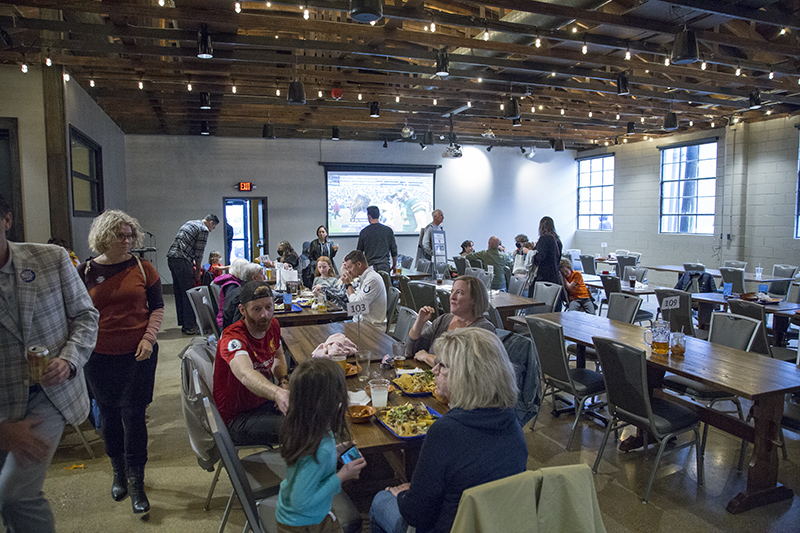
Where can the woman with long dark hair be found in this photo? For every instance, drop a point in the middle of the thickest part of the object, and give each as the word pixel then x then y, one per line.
pixel 548 254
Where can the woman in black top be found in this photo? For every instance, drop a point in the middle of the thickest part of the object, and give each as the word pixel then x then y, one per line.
pixel 548 254
pixel 322 246
pixel 286 254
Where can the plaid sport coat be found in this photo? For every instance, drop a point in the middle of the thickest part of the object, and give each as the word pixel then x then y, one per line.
pixel 56 312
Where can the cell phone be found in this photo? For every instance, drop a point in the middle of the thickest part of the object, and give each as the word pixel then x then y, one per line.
pixel 351 455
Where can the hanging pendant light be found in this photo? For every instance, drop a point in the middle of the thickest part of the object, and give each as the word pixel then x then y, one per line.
pixel 205 101
pixel 670 121
pixel 335 133
pixel 622 84
pixel 631 128
pixel 268 132
pixel 374 109
pixel 511 109
pixel 204 48
pixel 755 99
pixel 516 123
pixel 684 47
pixel 366 10
pixel 204 128
pixel 442 63
pixel 428 138
pixel 297 93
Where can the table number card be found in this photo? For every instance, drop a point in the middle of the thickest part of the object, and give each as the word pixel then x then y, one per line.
pixel 763 287
pixel 670 302
pixel 727 289
pixel 357 308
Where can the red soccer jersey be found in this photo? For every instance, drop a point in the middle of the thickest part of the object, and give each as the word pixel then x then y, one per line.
pixel 230 395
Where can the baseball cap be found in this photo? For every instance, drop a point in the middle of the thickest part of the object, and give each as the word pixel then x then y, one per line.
pixel 254 290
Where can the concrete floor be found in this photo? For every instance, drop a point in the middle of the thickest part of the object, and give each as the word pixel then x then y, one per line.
pixel 78 487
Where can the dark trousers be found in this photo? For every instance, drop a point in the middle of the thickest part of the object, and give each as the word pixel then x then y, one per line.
pixel 258 426
pixel 182 280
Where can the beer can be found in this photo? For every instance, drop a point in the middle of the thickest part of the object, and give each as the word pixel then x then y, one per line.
pixel 37 362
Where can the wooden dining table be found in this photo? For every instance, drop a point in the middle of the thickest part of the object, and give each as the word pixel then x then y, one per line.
pixel 410 273
pixel 505 302
pixel 763 380
pixel 307 316
pixel 749 277
pixel 371 437
pixel 639 290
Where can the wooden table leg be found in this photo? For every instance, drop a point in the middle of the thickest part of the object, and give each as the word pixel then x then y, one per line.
pixel 762 472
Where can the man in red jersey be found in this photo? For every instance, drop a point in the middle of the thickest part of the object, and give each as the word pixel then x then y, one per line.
pixel 250 360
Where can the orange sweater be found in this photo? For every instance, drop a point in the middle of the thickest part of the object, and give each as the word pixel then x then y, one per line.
pixel 580 290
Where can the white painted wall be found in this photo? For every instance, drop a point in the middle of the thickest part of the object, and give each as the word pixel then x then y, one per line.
pixel 21 97
pixel 757 185
pixel 174 179
pixel 84 114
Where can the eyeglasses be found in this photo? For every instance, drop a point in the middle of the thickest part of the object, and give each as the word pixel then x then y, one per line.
pixel 438 362
pixel 125 236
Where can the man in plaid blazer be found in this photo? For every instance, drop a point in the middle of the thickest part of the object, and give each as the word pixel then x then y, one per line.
pixel 42 303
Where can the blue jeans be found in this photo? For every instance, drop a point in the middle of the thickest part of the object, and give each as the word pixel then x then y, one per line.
pixel 22 503
pixel 384 515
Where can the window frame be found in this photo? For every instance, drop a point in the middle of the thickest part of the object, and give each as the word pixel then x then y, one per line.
pixel 797 200
pixel 95 181
pixel 600 187
pixel 696 180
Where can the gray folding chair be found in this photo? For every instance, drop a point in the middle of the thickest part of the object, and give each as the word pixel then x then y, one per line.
pixel 694 267
pixel 735 264
pixel 735 276
pixel 639 272
pixel 625 374
pixel 624 261
pixel 780 289
pixel 581 383
pixel 387 279
pixel 516 285
pixel 461 264
pixel 761 342
pixel 621 252
pixel 424 265
pixel 200 299
pixel 405 321
pixel 214 290
pixel 637 255
pixel 482 275
pixel 623 307
pixel 444 299
pixel 259 509
pixel 392 298
pixel 407 261
pixel 611 284
pixel 546 292
pixel 680 318
pixel 475 263
pixel 424 294
pixel 587 261
pixel 406 298
pixel 493 316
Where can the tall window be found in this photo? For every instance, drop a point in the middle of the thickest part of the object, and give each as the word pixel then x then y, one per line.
pixel 688 188
pixel 87 175
pixel 596 193
pixel 797 211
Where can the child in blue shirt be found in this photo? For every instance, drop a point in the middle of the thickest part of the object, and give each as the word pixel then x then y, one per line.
pixel 314 421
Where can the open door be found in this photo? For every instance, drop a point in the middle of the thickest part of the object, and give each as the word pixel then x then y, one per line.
pixel 246 229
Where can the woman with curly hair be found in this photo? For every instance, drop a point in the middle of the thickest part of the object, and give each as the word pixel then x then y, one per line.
pixel 286 254
pixel 121 371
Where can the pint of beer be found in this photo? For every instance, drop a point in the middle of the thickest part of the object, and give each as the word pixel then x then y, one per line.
pixel 37 362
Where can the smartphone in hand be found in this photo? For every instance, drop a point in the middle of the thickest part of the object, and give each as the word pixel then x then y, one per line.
pixel 351 455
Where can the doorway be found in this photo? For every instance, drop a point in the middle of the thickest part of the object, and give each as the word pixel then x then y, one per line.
pixel 246 228
pixel 11 177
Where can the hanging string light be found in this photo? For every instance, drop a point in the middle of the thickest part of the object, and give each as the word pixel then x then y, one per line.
pixel 703 65
pixel 237 7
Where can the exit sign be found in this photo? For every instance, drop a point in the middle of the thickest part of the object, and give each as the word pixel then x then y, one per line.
pixel 245 186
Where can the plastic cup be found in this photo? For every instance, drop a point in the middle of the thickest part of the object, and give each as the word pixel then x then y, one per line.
pixel 759 272
pixel 341 360
pixel 677 343
pixel 363 358
pixel 379 388
pixel 632 281
pixel 439 278
pixel 399 353
pixel 287 300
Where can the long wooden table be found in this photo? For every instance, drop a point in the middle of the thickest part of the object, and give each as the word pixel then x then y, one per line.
pixel 411 274
pixel 639 290
pixel 371 437
pixel 749 277
pixel 307 316
pixel 763 380
pixel 505 302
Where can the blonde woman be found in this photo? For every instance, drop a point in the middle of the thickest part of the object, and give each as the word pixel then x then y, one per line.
pixel 121 371
pixel 477 441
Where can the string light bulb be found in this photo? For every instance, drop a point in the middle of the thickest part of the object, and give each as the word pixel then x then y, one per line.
pixel 277 92
pixel 642 120
pixel 480 80
pixel 319 93
pixel 563 111
pixel 233 89
pixel 541 107
pixel 269 4
pixel 703 65
pixel 502 107
pixel 24 68
pixel 469 103
pixel 433 27
pixel 772 74
pixel 538 42
pixel 666 61
pixel 306 14
pixel 397 98
pixel 91 83
pixel 161 3
pixel 188 86
pixel 617 116
pixel 371 22
pixel 141 85
pixel 533 109
pixel 783 31
pixel 738 71
pixel 237 7
pixel 590 113
pixel 628 54
pixel 769 111
pixel 691 123
pixel 435 102
pixel 48 61
pixel 66 76
pixel 712 124
pixel 585 49
pixel 360 96
pixel 485 35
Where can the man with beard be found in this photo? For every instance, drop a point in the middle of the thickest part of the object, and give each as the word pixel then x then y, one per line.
pixel 249 360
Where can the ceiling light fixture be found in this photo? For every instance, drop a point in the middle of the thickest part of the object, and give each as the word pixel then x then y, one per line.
pixel 24 68
pixel 204 128
pixel 306 14
pixel 141 85
pixel 205 100
pixel 237 6
pixel 489 148
pixel 538 42
pixel 375 111
pixel 188 86
pixel 66 76
pixel 480 80
pixel 366 10
pixel 703 65
pixel 297 93
pixel 622 84
pixel 268 131
pixel 522 150
pixel 557 144
pixel 407 132
pixel 684 47
pixel 385 144
pixel 531 154
pixel 516 123
pixel 771 74
pixel 755 99
pixel 205 50
pixel 422 145
pixel 738 70
pixel 335 133
pixel 48 62
pixel 631 128
pixel 442 63
pixel 511 111
pixel 429 138
pixel 91 83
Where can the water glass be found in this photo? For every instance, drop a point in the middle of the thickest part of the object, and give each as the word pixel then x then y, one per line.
pixel 379 389
pixel 363 358
pixel 399 354
pixel 677 343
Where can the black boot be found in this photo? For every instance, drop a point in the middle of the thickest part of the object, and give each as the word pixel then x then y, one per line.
pixel 139 501
pixel 119 488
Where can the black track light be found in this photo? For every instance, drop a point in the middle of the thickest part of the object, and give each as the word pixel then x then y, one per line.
pixel 511 109
pixel 516 123
pixel 335 133
pixel 204 128
pixel 297 93
pixel 442 63
pixel 204 48
pixel 755 99
pixel 375 110
pixel 670 121
pixel 631 128
pixel 522 150
pixel 423 146
pixel 205 101
pixel 684 47
pixel 385 144
pixel 268 132
pixel 429 138
pixel 489 148
pixel 366 10
pixel 622 84
pixel 559 145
